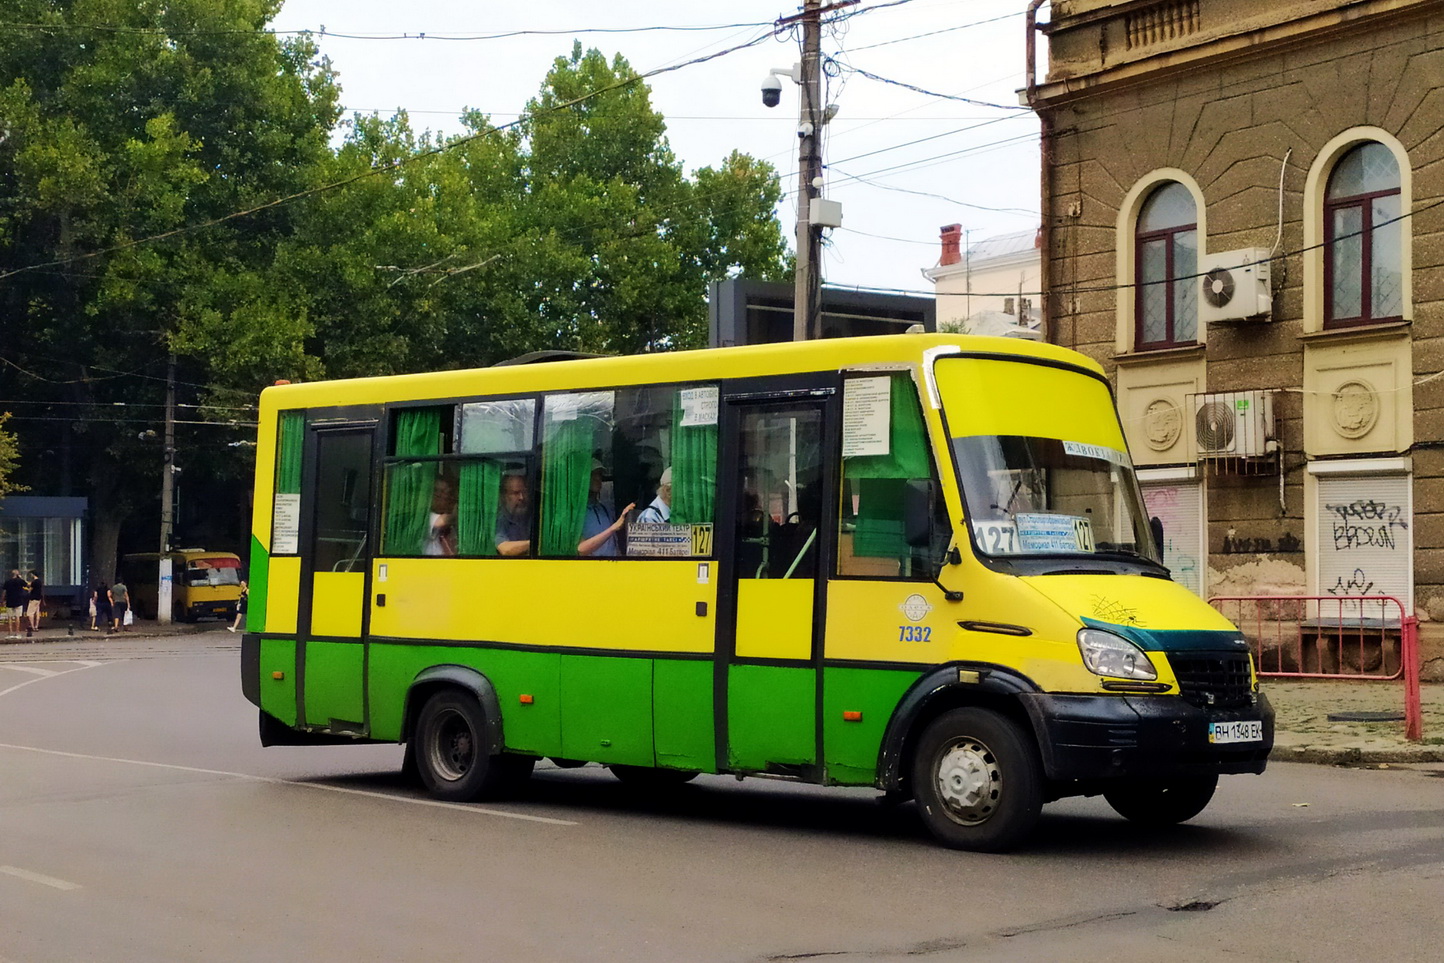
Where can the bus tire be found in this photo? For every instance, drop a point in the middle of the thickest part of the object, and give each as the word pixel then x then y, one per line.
pixel 1161 802
pixel 978 781
pixel 648 778
pixel 451 756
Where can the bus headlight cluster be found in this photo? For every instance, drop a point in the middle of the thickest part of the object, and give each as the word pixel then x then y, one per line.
pixel 1112 655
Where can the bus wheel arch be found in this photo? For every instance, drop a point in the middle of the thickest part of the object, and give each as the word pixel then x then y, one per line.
pixel 933 695
pixel 441 677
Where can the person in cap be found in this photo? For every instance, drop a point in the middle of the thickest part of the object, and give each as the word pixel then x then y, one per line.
pixel 599 529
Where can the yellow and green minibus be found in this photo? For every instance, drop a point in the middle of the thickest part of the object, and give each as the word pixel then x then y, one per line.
pixel 918 562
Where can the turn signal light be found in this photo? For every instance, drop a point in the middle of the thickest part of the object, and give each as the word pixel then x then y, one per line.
pixel 278 675
pixel 852 717
pixel 527 700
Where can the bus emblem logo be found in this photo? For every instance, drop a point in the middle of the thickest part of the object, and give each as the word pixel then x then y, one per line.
pixel 916 608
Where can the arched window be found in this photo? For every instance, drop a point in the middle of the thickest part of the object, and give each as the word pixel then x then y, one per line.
pixel 1363 254
pixel 1166 260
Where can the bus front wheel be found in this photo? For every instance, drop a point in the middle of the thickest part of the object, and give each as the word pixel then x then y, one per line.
pixel 977 780
pixel 450 749
pixel 1161 802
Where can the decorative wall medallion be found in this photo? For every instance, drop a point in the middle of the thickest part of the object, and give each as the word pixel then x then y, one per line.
pixel 1162 424
pixel 1356 409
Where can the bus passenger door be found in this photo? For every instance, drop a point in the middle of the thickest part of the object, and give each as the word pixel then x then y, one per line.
pixel 335 567
pixel 770 552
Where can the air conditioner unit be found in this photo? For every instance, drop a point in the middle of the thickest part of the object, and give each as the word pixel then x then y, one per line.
pixel 1234 424
pixel 1234 285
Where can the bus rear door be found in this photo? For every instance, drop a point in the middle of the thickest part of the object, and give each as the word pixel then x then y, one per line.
pixel 335 571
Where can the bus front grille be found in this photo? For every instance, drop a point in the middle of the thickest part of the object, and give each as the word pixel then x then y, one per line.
pixel 1213 680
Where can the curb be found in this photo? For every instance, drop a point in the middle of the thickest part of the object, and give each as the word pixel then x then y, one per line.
pixel 1355 756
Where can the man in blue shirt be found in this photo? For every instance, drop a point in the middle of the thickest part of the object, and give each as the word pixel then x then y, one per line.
pixel 599 530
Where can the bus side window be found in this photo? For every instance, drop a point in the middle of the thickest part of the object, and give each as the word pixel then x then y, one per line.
pixel 884 449
pixel 420 492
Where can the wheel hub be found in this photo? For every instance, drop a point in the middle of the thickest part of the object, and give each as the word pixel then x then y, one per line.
pixel 969 782
pixel 455 747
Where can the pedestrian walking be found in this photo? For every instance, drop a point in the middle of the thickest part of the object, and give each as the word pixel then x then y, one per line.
pixel 102 607
pixel 240 607
pixel 119 605
pixel 13 594
pixel 36 600
pixel 93 594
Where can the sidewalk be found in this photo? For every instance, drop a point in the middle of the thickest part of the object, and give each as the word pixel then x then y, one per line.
pixel 59 631
pixel 1304 731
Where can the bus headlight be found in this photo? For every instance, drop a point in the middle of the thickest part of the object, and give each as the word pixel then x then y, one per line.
pixel 1112 655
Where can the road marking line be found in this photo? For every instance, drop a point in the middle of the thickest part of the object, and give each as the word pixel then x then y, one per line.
pixel 434 803
pixel 21 685
pixel 47 673
pixel 40 878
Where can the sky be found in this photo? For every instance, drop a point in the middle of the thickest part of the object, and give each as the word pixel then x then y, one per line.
pixel 903 163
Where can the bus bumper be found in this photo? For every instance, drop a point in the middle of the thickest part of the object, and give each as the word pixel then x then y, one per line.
pixel 1087 737
pixel 251 668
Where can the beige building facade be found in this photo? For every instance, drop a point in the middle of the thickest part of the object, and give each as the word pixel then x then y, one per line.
pixel 1244 223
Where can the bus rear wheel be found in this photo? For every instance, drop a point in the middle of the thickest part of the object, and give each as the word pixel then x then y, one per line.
pixel 978 781
pixel 450 751
pixel 1161 802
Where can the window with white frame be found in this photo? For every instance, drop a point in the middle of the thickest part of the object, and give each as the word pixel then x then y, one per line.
pixel 1363 236
pixel 1166 269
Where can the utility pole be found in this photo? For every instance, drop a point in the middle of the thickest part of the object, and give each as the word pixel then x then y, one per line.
pixel 807 291
pixel 167 499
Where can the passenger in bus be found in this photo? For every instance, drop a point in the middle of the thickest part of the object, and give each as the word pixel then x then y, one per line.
pixel 441 535
pixel 513 517
pixel 599 529
pixel 660 510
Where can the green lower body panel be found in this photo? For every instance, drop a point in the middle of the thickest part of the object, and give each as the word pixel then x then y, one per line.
pixel 607 709
pixel 771 717
pixel 278 695
pixel 850 746
pixel 685 733
pixel 332 684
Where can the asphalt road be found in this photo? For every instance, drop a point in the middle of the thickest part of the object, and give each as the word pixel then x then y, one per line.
pixel 141 820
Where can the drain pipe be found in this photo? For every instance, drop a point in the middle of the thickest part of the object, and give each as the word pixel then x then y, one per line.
pixel 1045 175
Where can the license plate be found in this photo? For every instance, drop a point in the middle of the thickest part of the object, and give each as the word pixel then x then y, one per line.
pixel 1240 731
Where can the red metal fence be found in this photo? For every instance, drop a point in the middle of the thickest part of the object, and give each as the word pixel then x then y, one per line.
pixel 1363 637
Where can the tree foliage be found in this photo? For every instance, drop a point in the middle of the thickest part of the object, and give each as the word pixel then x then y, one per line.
pixel 131 132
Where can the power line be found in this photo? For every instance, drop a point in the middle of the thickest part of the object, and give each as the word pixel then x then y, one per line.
pixel 322 31
pixel 934 33
pixel 932 93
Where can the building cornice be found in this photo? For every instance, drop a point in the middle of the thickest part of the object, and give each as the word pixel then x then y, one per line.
pixel 1246 41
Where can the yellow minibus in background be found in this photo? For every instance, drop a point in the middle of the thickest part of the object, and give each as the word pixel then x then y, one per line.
pixel 204 585
pixel 919 563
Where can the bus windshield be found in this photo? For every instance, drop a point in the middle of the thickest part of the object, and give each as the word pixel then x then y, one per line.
pixel 1041 460
pixel 213 571
pixel 1028 496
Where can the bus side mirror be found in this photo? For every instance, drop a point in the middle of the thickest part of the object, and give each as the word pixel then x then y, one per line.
pixel 1155 524
pixel 918 512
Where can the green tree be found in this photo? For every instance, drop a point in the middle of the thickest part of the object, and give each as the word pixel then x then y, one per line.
pixel 123 120
pixel 9 456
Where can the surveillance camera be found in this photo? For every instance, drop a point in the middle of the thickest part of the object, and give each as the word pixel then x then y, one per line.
pixel 771 91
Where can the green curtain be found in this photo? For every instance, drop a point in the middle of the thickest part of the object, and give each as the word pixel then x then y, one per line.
pixel 566 475
pixel 476 508
pixel 694 470
pixel 880 480
pixel 289 440
pixel 409 486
